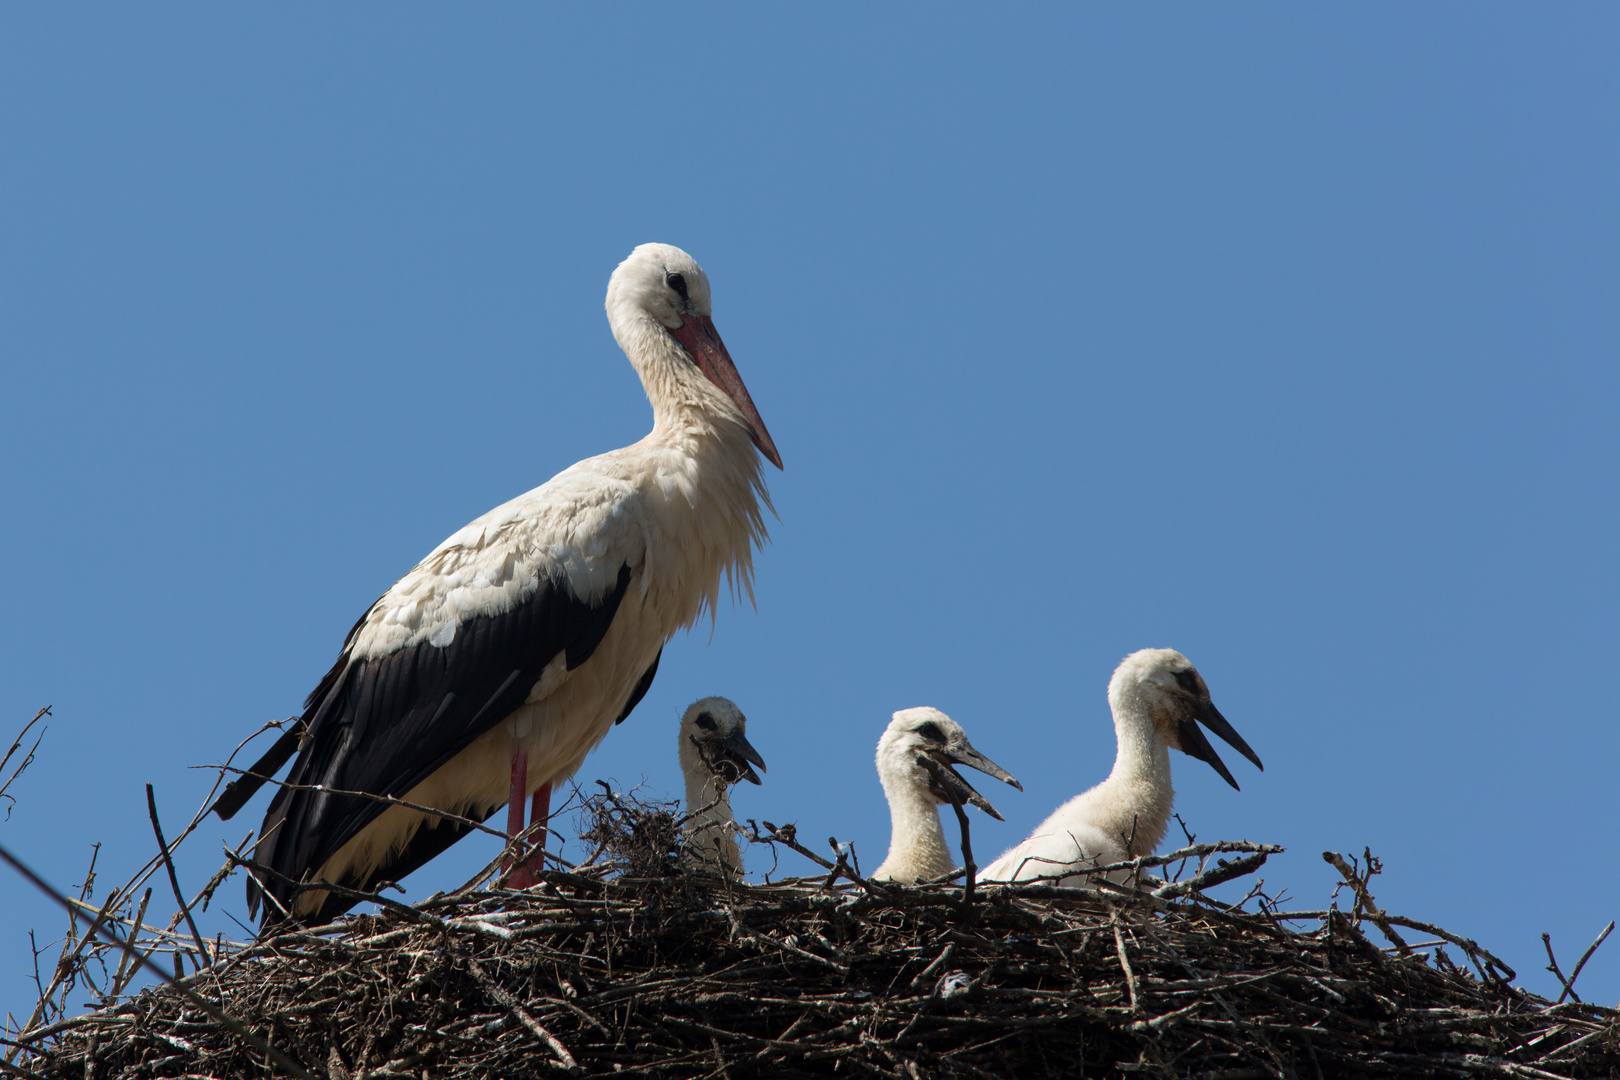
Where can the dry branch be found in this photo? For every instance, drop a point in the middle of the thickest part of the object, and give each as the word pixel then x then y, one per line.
pixel 27 758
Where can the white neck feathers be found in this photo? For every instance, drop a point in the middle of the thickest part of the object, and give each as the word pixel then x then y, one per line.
pixel 1133 805
pixel 701 459
pixel 917 849
pixel 711 842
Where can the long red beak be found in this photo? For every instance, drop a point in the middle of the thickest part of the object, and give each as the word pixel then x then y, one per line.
pixel 698 337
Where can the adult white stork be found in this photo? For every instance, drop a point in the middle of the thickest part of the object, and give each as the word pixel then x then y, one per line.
pixel 1158 700
pixel 917 848
pixel 715 754
pixel 493 667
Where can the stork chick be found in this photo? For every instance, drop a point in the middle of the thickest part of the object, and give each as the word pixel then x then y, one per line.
pixel 715 754
pixel 917 849
pixel 1158 700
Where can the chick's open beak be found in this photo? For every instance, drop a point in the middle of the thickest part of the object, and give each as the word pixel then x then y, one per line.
pixel 738 753
pixel 948 786
pixel 958 751
pixel 1195 744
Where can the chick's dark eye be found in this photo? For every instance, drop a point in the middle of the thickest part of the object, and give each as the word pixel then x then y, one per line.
pixel 678 283
pixel 931 732
pixel 1187 681
pixel 705 721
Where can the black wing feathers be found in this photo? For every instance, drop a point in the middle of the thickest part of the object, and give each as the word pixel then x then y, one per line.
pixel 639 691
pixel 583 639
pixel 423 847
pixel 243 788
pixel 385 724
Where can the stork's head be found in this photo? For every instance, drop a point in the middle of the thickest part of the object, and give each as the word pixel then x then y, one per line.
pixel 658 305
pixel 714 742
pixel 918 750
pixel 1176 698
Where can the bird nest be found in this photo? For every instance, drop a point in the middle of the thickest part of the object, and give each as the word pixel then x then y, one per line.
pixel 631 966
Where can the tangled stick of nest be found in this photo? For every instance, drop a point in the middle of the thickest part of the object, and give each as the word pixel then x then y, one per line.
pixel 633 837
pixel 602 971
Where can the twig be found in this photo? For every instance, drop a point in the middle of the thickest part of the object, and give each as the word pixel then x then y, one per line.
pixel 1468 945
pixel 1552 966
pixel 1364 900
pixel 1222 872
pixel 787 835
pixel 27 758
pixel 939 962
pixel 967 857
pixel 1159 1023
pixel 1142 862
pixel 174 879
pixel 938 770
pixel 513 1005
pixel 1585 956
pixel 119 979
pixel 1125 962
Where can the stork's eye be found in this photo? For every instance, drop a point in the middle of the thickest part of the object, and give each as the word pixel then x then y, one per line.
pixel 931 732
pixel 1187 681
pixel 705 721
pixel 678 283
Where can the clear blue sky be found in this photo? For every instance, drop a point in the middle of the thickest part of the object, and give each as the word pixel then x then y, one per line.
pixel 1283 336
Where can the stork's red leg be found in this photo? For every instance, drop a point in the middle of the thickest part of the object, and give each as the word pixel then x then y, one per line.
pixel 517 795
pixel 540 809
pixel 539 814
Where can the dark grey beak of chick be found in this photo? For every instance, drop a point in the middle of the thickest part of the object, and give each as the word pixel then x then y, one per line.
pixel 1195 744
pixel 732 758
pixel 946 784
